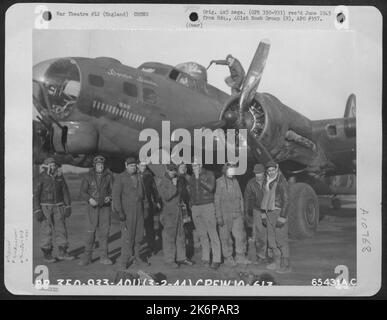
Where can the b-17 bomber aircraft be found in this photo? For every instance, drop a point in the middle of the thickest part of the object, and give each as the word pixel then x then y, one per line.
pixel 88 106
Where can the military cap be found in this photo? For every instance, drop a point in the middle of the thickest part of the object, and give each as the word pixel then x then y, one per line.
pixel 130 160
pixel 171 167
pixel 49 160
pixel 259 168
pixel 270 164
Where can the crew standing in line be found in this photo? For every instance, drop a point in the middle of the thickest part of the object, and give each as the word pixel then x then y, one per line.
pixel 202 188
pixel 96 190
pixel 171 218
pixel 253 199
pixel 229 209
pixel 52 206
pixel 128 197
pixel 274 209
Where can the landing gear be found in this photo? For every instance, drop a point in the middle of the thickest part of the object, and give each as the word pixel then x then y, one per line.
pixel 336 203
pixel 304 211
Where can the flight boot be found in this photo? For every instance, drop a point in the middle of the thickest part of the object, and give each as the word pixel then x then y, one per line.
pixel 86 259
pixel 241 259
pixel 63 254
pixel 215 265
pixel 137 262
pixel 47 256
pixel 285 266
pixel 105 260
pixel 229 262
pixel 260 261
pixel 276 264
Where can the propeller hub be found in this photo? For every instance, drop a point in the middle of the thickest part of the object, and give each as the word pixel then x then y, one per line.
pixel 230 116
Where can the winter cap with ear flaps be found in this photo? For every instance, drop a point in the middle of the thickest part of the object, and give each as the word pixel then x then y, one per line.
pixel 98 159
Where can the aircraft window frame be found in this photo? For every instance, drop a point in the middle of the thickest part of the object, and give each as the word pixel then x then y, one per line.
pixel 174 74
pixel 332 130
pixel 133 94
pixel 92 79
pixel 144 95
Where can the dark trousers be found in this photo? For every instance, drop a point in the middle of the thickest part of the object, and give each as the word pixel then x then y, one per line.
pixel 53 228
pixel 174 241
pixel 277 238
pixel 150 232
pixel 97 221
pixel 132 233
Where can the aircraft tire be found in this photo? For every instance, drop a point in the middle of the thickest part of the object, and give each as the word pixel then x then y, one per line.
pixel 304 211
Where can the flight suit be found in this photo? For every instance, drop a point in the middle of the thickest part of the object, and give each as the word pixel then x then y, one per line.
pixel 128 196
pixel 97 187
pixel 229 207
pixel 51 196
pixel 172 221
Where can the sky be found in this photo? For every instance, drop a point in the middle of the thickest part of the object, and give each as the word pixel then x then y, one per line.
pixel 310 71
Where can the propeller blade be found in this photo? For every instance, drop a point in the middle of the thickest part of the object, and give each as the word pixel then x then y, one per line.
pixel 254 74
pixel 350 107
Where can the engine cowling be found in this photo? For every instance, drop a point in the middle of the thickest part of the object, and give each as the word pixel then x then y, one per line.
pixel 279 132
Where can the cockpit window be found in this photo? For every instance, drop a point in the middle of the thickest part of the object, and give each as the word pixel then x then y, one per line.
pixel 60 84
pixel 152 67
pixel 187 81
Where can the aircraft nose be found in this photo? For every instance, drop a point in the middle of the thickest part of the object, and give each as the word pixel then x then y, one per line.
pixel 56 86
pixel 39 70
pixel 38 81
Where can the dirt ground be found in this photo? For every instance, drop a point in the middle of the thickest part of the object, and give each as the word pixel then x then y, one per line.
pixel 333 244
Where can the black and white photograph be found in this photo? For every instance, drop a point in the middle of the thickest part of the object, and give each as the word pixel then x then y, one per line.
pixel 201 157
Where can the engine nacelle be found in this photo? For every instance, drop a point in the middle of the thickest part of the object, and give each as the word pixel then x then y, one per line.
pixel 75 137
pixel 283 132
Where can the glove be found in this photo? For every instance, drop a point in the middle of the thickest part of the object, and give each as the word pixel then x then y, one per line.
pixel 39 215
pixel 121 216
pixel 92 202
pixel 67 211
pixel 108 199
pixel 158 205
pixel 280 222
pixel 220 221
pixel 264 220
